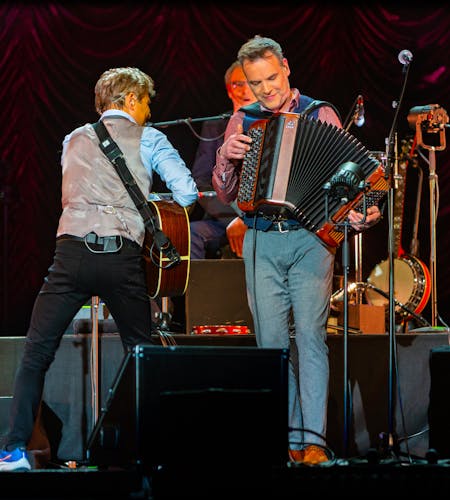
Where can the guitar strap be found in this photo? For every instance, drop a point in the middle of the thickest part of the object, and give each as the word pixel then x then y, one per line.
pixel 115 156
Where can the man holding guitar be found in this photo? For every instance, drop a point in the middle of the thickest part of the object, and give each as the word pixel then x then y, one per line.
pixel 99 240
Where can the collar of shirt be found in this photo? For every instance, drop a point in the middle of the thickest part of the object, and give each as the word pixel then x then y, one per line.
pixel 295 98
pixel 117 112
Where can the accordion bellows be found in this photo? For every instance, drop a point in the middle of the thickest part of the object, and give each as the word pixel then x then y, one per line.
pixel 290 161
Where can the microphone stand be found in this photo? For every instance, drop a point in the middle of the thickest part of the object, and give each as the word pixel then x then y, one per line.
pixel 389 443
pixel 330 192
pixel 188 121
pixel 345 267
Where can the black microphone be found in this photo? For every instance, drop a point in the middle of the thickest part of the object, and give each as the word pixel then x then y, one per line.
pixel 346 182
pixel 359 119
pixel 405 57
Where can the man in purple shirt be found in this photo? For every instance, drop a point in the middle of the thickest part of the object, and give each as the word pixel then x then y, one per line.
pixel 289 270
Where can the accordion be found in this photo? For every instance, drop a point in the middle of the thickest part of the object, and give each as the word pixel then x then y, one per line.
pixel 290 162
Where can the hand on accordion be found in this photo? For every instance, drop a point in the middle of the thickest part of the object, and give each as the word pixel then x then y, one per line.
pixel 359 222
pixel 236 145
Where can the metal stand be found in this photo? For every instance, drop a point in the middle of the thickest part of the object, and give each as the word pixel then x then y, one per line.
pixel 358 267
pixel 432 183
pixel 345 191
pixel 188 121
pixel 431 119
pixel 95 360
pixel 162 328
pixel 345 268
pixel 389 443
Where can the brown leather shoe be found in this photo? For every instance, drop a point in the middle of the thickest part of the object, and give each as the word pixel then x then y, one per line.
pixel 296 456
pixel 314 455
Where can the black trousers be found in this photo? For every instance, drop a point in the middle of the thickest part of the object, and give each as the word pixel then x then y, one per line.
pixel 76 274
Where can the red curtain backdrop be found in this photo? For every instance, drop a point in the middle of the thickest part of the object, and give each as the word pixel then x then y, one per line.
pixel 53 53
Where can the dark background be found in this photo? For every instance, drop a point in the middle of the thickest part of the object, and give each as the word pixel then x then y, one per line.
pixel 53 53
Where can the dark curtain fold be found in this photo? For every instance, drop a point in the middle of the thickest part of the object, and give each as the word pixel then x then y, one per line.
pixel 53 53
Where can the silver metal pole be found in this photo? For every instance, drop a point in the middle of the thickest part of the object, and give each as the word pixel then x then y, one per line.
pixel 432 182
pixel 94 360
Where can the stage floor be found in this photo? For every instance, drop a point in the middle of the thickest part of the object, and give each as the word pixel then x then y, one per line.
pixel 359 479
pixel 68 415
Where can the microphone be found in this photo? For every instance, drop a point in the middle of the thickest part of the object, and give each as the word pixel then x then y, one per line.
pixel 359 119
pixel 405 57
pixel 346 182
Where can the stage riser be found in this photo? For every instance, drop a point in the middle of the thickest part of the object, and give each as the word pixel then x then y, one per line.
pixel 68 405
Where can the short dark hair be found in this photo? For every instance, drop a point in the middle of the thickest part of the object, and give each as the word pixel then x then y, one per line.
pixel 257 47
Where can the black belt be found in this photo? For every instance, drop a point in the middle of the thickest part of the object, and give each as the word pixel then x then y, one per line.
pixel 100 243
pixel 263 223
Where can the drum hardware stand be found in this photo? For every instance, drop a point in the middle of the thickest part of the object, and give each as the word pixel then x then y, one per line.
pixel 162 329
pixel 345 184
pixel 431 119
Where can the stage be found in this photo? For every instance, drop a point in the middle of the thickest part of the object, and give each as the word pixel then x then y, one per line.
pixel 357 479
pixel 362 459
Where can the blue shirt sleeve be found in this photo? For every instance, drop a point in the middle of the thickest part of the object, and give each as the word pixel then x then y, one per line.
pixel 158 155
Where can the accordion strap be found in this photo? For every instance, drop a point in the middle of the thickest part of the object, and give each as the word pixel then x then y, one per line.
pixel 115 156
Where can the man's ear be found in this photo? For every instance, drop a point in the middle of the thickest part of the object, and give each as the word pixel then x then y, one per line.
pixel 130 100
pixel 286 66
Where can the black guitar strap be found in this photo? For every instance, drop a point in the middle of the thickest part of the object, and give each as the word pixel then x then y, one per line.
pixel 115 156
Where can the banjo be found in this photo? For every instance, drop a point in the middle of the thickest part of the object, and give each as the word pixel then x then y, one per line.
pixel 412 280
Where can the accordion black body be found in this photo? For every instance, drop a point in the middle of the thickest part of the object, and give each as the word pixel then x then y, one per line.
pixel 290 161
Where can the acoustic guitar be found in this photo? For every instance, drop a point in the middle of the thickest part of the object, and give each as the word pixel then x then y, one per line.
pixel 163 278
pixel 412 280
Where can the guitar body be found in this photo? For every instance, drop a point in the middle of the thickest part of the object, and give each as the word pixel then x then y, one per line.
pixel 164 281
pixel 412 285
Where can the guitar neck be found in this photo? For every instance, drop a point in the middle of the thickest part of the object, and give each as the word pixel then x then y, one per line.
pixel 399 198
pixel 399 203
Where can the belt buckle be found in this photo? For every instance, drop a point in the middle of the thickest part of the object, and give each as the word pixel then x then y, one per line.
pixel 280 229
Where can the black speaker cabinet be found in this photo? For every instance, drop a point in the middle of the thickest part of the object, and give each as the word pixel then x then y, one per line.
pixel 198 406
pixel 216 294
pixel 439 408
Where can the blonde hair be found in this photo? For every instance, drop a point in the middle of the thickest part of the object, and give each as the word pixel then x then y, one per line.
pixel 115 84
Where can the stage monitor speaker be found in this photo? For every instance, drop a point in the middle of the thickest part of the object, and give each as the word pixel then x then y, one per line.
pixel 439 405
pixel 216 294
pixel 199 406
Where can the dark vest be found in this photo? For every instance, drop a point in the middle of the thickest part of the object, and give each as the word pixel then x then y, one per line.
pixel 307 106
